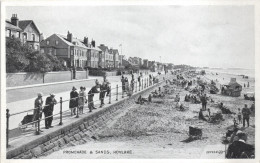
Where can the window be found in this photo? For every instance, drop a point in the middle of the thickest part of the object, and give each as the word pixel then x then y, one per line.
pixel 47 42
pixel 8 33
pixel 25 36
pixel 18 34
pixel 56 42
pixel 33 37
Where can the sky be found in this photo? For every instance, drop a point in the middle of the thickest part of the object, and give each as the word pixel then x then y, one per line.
pixel 203 36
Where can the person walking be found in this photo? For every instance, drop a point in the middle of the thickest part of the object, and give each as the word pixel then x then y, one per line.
pixel 37 112
pixel 74 97
pixel 126 85
pixel 246 115
pixel 48 110
pixel 81 99
pixel 91 93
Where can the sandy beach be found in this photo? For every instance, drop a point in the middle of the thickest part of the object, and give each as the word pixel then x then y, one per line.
pixel 158 129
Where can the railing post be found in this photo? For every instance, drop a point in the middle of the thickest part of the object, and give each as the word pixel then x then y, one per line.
pixel 60 111
pixel 7 128
pixel 38 122
pixel 117 92
pixel 77 111
pixel 110 95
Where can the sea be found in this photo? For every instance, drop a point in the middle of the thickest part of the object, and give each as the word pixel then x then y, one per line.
pixel 233 71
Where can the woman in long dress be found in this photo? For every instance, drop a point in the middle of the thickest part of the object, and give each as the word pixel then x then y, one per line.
pixel 82 99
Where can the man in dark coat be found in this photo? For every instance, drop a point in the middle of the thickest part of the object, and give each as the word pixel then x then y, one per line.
pixel 103 90
pixel 204 101
pixel 74 97
pixel 48 110
pixel 246 115
pixel 240 149
pixel 93 90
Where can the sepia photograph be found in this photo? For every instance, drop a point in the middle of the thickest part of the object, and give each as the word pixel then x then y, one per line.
pixel 124 81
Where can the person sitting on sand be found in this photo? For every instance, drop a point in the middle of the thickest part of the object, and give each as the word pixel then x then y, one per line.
pixel 224 109
pixel 150 98
pixel 239 148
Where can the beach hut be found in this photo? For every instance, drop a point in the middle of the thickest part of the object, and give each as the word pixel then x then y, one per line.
pixel 232 88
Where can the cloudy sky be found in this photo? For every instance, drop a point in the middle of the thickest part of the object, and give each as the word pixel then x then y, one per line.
pixel 213 36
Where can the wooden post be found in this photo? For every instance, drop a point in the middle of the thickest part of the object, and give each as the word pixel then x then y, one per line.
pixel 60 111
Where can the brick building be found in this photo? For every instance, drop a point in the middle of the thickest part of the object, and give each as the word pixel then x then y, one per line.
pixel 72 50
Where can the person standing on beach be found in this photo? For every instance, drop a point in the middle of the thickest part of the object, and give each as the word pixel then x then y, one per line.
pixel 246 115
pixel 239 116
pixel 247 84
pixel 204 102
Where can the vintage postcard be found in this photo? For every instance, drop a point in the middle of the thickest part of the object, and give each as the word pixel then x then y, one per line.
pixel 129 80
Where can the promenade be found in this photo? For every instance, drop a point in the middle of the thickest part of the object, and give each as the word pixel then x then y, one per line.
pixel 22 99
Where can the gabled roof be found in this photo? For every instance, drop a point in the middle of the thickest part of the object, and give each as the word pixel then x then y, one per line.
pixel 77 42
pixel 103 48
pixel 115 51
pixel 24 23
pixel 9 25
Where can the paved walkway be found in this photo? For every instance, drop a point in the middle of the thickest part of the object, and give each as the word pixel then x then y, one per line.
pixel 28 103
pixel 18 135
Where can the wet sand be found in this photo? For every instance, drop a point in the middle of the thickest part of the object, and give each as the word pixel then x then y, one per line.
pixel 157 129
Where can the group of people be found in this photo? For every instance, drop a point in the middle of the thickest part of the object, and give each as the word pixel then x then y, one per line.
pixel 76 102
pixel 47 110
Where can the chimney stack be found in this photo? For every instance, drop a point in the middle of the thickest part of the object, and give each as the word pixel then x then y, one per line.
pixel 15 20
pixel 85 41
pixel 69 36
pixel 93 43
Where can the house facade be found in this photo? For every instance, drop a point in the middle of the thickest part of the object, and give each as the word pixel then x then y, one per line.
pixel 103 56
pixel 73 51
pixel 109 59
pixel 25 30
pixel 93 55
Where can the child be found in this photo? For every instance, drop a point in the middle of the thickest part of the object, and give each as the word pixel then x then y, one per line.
pixel 239 116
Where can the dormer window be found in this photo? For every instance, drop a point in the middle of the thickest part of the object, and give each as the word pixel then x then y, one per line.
pixel 56 42
pixel 47 42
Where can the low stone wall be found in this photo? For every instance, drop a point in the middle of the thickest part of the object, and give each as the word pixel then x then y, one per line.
pixel 22 79
pixel 77 132
pixel 113 73
pixel 81 75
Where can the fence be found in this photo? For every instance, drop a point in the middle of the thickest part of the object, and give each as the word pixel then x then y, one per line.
pixel 135 86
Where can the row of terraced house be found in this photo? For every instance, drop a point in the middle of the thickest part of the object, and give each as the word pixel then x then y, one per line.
pixel 75 52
